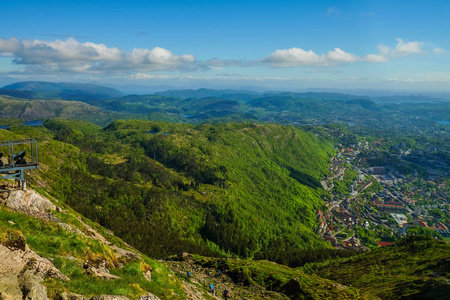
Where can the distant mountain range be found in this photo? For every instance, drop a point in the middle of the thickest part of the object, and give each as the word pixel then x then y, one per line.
pixel 59 91
pixel 21 100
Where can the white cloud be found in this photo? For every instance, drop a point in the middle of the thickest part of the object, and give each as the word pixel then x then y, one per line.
pixel 298 57
pixel 9 46
pixel 439 51
pixel 402 49
pixel 71 55
pixel 375 58
pixel 338 55
pixel 384 50
pixel 292 57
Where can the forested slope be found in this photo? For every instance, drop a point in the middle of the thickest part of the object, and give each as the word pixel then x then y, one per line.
pixel 238 188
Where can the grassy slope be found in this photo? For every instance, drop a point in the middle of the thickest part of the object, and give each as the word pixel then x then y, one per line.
pixel 416 268
pixel 68 251
pixel 291 282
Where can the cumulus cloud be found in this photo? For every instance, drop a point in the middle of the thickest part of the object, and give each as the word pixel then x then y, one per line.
pixel 72 55
pixel 298 57
pixel 402 49
pixel 338 55
pixel 294 57
pixel 9 46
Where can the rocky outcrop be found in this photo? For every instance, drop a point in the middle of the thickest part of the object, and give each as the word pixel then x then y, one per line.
pixel 22 273
pixel 13 261
pixel 124 255
pixel 30 282
pixel 9 287
pixel 99 269
pixel 30 203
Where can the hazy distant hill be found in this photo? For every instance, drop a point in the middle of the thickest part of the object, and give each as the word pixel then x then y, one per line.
pixel 59 90
pixel 204 93
pixel 316 96
pixel 11 108
pixel 409 99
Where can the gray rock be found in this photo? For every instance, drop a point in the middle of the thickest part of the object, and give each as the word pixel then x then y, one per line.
pixel 99 269
pixel 149 297
pixel 12 261
pixel 72 296
pixel 28 200
pixel 10 288
pixel 124 255
pixel 109 297
pixel 31 286
pixel 148 275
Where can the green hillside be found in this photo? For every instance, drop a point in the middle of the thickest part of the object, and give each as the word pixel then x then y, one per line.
pixel 227 190
pixel 12 108
pixel 71 242
pixel 58 254
pixel 234 188
pixel 415 268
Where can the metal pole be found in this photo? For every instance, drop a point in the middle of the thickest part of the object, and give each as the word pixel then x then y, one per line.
pixel 37 155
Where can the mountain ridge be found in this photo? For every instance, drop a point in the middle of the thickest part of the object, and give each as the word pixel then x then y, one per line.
pixel 60 90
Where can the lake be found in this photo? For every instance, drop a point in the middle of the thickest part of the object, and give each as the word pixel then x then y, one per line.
pixel 34 123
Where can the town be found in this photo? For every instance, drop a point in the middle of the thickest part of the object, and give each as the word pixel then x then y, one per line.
pixel 372 203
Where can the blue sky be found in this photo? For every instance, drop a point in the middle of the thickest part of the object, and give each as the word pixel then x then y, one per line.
pixel 264 45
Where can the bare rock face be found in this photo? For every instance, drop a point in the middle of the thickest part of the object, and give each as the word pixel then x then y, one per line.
pixel 30 203
pixel 30 282
pixel 12 261
pixel 21 274
pixel 9 287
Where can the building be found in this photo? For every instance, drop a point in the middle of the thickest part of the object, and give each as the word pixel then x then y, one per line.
pixel 400 219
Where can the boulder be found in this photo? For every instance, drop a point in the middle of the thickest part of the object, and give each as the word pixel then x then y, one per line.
pixel 28 201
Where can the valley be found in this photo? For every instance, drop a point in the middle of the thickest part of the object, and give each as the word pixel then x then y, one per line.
pixel 239 182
